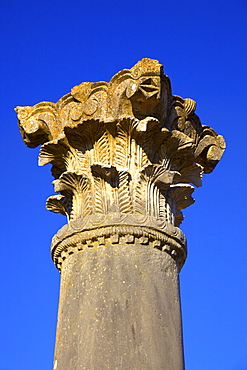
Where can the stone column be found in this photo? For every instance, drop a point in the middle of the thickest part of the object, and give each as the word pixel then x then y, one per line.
pixel 124 156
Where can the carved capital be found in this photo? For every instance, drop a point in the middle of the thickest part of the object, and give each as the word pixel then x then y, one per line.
pixel 124 156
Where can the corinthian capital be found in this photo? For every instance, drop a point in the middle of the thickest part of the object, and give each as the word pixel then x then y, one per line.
pixel 125 155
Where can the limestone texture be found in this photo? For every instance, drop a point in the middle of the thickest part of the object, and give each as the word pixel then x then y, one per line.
pixel 119 309
pixel 125 155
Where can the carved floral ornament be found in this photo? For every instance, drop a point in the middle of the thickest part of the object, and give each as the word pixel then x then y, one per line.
pixel 124 156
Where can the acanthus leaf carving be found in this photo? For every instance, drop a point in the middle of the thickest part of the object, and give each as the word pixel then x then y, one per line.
pixel 123 148
pixel 59 204
pixel 53 151
pixel 210 149
pixel 108 173
pixel 179 196
pixel 192 174
pixel 125 199
pixel 78 186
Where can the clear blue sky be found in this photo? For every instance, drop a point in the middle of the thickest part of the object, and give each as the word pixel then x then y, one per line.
pixel 47 47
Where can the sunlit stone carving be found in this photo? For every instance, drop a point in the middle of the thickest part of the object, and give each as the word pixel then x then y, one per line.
pixel 123 153
pixel 125 156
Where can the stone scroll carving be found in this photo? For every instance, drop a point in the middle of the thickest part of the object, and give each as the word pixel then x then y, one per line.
pixel 125 156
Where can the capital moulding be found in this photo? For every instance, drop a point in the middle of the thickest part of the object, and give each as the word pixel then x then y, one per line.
pixel 118 229
pixel 123 150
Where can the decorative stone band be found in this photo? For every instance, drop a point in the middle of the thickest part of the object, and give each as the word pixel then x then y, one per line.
pixel 118 229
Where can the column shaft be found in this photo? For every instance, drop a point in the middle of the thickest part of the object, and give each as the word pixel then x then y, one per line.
pixel 119 309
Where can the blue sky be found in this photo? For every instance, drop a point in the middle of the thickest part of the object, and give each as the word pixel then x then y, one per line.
pixel 47 48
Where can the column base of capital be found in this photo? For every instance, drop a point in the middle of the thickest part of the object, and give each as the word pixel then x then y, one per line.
pixel 118 230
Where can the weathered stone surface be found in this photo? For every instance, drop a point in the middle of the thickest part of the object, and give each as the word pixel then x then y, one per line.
pixel 125 156
pixel 119 309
